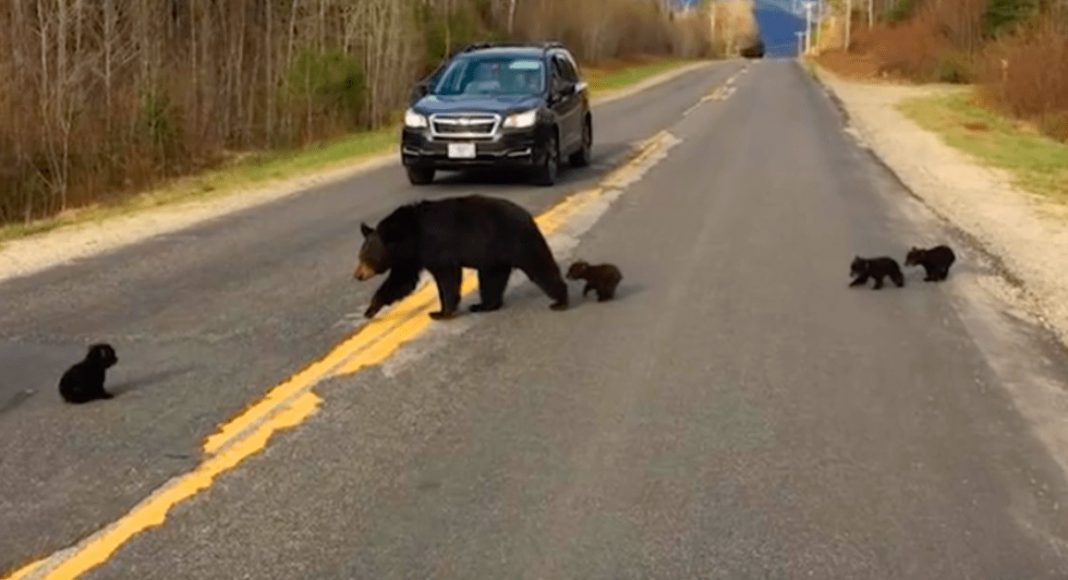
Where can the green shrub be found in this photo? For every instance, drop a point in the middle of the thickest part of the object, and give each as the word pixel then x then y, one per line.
pixel 1004 15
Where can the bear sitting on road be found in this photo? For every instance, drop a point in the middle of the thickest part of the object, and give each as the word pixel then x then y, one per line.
pixel 444 236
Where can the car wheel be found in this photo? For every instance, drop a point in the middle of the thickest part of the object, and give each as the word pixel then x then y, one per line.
pixel 581 158
pixel 547 171
pixel 420 175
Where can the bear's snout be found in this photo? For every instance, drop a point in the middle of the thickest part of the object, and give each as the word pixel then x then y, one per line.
pixel 363 272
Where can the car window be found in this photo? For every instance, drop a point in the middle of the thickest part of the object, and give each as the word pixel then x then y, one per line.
pixel 567 68
pixel 559 70
pixel 508 75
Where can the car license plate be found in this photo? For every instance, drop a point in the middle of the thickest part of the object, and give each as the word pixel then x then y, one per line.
pixel 461 150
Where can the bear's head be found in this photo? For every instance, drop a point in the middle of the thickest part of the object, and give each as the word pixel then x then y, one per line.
pixel 102 355
pixel 374 256
pixel 578 270
pixel 914 257
pixel 859 266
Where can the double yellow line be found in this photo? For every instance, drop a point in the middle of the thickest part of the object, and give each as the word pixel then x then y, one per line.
pixel 291 402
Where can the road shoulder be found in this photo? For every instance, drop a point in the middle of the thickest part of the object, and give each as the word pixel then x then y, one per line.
pixel 1025 233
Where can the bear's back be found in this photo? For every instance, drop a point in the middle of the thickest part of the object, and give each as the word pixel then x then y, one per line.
pixel 476 230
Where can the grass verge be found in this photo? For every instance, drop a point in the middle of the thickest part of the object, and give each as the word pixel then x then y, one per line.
pixel 611 77
pixel 262 168
pixel 1037 163
pixel 250 171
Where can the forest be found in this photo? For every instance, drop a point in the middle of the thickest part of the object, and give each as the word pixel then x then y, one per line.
pixel 99 98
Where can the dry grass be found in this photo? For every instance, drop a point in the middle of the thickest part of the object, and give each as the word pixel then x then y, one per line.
pixel 1027 77
pixel 1038 164
pixel 937 44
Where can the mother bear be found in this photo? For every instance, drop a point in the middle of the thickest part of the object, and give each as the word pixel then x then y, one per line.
pixel 444 236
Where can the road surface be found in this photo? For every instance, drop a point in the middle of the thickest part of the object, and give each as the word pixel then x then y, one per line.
pixel 737 412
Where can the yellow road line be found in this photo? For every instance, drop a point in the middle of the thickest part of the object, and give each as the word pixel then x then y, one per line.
pixel 152 512
pixel 368 335
pixel 26 570
pixel 290 403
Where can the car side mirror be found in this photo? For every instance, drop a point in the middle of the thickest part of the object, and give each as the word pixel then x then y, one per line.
pixel 565 89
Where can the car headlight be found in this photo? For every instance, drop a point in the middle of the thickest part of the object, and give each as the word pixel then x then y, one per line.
pixel 521 120
pixel 414 120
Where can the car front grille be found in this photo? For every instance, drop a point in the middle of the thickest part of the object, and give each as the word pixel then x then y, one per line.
pixel 464 126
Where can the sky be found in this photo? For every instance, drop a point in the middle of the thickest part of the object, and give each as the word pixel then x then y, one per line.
pixel 777 28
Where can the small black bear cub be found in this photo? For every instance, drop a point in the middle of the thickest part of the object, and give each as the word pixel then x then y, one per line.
pixel 864 268
pixel 602 278
pixel 935 261
pixel 84 381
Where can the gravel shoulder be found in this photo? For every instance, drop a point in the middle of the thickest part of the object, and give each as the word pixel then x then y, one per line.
pixel 1026 233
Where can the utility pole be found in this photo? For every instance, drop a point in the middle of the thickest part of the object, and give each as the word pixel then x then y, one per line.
pixel 871 14
pixel 808 27
pixel 800 41
pixel 819 24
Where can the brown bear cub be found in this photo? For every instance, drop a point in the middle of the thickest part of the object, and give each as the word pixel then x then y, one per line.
pixel 601 278
pixel 935 261
pixel 84 381
pixel 864 268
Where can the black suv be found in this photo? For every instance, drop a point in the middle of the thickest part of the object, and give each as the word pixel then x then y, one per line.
pixel 495 105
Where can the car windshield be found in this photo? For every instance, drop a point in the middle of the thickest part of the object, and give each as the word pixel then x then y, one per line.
pixel 492 76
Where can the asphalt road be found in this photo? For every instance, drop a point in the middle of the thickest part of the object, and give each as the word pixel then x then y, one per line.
pixel 738 412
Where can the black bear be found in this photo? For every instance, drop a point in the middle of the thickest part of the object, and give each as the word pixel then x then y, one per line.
pixel 444 236
pixel 864 268
pixel 601 278
pixel 84 381
pixel 935 261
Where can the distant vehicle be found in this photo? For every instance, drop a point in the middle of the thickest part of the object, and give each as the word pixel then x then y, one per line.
pixel 755 50
pixel 520 106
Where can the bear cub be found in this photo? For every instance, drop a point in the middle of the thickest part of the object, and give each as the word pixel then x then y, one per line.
pixel 878 268
pixel 935 261
pixel 601 278
pixel 84 382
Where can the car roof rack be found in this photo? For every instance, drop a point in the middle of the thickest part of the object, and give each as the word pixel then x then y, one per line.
pixel 484 45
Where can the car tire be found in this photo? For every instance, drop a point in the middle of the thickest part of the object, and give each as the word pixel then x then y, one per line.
pixel 547 171
pixel 420 175
pixel 581 158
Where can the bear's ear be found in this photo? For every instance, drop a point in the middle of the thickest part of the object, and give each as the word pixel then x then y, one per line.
pixel 366 230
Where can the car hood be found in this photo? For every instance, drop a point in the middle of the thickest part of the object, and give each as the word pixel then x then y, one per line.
pixel 502 104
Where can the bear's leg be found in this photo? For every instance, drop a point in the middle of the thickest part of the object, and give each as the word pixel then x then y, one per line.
pixel 898 278
pixel 448 280
pixel 547 277
pixel 587 289
pixel 932 274
pixel 862 280
pixel 606 294
pixel 878 282
pixel 491 284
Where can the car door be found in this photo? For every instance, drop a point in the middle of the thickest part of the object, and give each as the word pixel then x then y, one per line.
pixel 567 106
pixel 582 96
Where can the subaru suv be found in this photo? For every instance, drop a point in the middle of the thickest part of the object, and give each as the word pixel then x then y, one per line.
pixel 492 105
